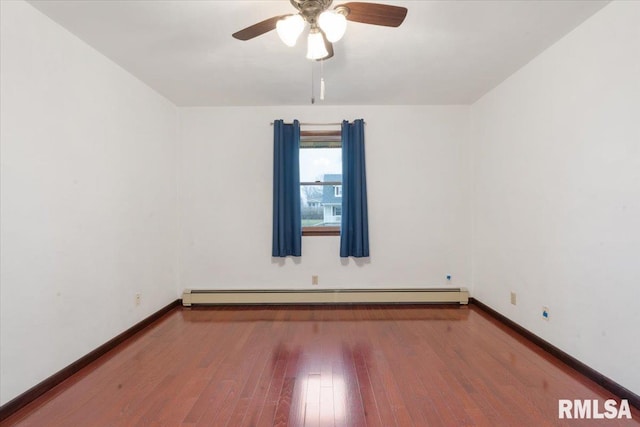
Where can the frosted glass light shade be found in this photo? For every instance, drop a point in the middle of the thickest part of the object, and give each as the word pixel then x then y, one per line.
pixel 333 24
pixel 315 45
pixel 289 29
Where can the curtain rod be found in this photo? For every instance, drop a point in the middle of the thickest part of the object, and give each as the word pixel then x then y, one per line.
pixel 317 124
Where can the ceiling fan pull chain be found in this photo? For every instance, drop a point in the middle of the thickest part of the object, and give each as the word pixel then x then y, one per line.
pixel 322 80
pixel 313 99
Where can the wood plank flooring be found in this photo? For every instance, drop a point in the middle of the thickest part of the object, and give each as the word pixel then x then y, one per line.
pixel 320 366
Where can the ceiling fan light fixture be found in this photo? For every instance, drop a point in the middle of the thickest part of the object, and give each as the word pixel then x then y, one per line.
pixel 315 45
pixel 289 29
pixel 333 23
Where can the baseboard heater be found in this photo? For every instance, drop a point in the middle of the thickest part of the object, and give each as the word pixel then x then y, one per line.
pixel 326 296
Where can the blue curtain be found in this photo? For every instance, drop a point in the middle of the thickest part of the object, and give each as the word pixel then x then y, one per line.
pixel 354 233
pixel 287 228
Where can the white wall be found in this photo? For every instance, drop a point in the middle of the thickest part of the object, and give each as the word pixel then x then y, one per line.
pixel 557 194
pixel 418 182
pixel 88 199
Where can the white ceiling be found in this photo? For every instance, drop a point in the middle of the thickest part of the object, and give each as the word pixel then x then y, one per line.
pixel 446 52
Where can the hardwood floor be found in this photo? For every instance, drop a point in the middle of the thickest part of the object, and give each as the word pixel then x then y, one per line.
pixel 320 366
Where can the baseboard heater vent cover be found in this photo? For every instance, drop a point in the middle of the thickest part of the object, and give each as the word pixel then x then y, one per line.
pixel 326 296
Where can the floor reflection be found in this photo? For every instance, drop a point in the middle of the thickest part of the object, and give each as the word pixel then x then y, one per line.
pixel 321 385
pixel 324 401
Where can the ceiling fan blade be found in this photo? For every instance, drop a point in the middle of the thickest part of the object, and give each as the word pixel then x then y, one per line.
pixel 258 29
pixel 375 13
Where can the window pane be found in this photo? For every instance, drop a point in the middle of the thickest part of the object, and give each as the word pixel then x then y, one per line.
pixel 321 205
pixel 315 163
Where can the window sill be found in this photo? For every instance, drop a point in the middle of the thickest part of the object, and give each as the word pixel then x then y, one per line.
pixel 320 231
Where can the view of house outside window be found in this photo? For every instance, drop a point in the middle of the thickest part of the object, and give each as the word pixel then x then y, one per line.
pixel 321 189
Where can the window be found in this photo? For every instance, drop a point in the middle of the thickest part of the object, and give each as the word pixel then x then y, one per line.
pixel 321 182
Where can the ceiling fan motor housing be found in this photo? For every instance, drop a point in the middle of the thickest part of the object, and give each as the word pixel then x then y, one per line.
pixel 311 9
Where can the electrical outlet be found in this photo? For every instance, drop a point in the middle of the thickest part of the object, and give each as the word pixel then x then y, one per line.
pixel 513 298
pixel 314 280
pixel 138 299
pixel 545 313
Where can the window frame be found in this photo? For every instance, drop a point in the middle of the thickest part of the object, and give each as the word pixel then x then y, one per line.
pixel 310 139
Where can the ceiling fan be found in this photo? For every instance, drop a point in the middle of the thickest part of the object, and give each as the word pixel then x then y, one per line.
pixel 325 26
